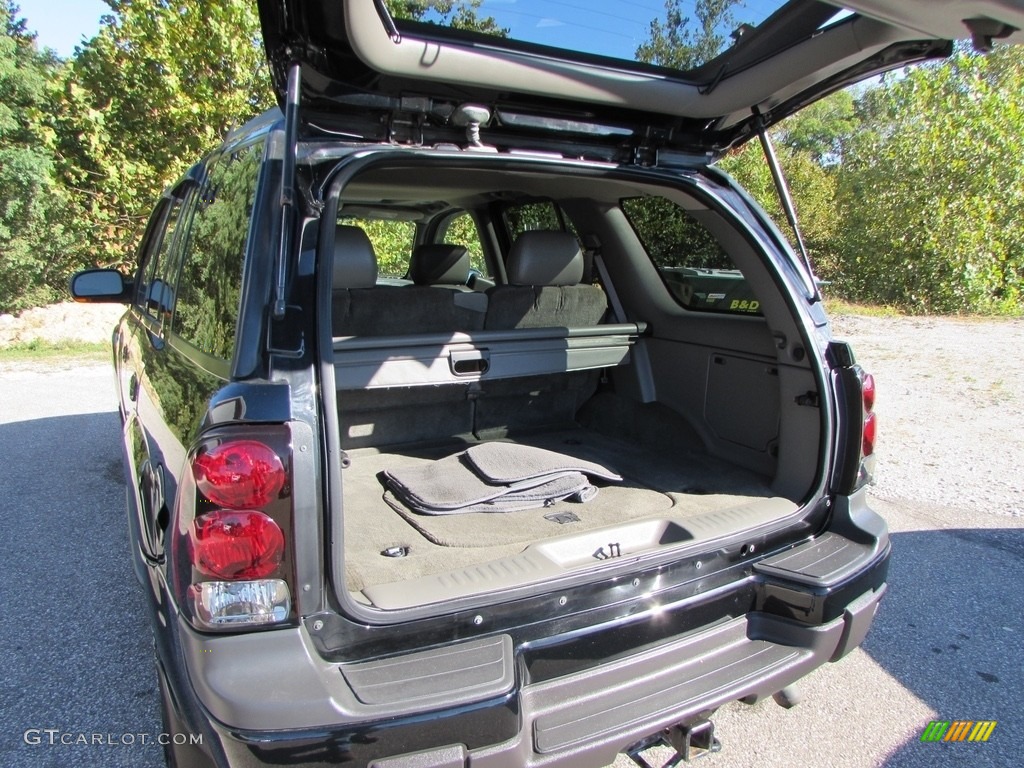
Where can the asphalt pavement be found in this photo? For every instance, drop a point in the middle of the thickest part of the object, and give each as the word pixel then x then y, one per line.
pixel 78 687
pixel 76 662
pixel 947 644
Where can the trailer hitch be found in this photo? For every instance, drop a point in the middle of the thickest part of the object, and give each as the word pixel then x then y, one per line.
pixel 689 741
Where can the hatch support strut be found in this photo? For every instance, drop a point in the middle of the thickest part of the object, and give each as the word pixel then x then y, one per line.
pixel 388 21
pixel 291 132
pixel 787 204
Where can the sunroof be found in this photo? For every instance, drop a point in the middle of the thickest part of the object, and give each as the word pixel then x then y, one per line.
pixel 676 33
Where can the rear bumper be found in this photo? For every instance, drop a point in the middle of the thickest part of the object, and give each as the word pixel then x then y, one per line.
pixel 576 699
pixel 751 656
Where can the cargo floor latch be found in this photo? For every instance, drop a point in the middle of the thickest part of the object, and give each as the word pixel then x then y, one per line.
pixel 689 742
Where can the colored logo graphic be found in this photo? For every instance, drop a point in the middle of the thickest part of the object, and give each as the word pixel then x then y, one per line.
pixel 958 730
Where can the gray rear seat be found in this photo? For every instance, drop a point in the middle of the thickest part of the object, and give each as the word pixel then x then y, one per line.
pixel 545 268
pixel 444 265
pixel 360 307
pixel 440 264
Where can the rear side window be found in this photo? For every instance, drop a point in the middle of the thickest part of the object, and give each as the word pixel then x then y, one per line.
pixel 530 216
pixel 211 274
pixel 698 273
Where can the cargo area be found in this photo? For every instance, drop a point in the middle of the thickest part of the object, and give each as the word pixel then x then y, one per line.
pixel 673 491
pixel 644 337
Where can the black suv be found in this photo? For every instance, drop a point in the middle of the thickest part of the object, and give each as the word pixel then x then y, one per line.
pixel 472 417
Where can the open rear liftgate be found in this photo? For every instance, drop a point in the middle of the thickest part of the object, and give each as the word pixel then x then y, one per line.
pixel 697 739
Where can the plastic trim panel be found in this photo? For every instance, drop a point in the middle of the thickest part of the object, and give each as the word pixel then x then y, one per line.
pixel 442 676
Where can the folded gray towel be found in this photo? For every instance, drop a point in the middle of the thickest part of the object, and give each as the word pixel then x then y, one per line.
pixel 493 477
pixel 512 463
pixel 573 485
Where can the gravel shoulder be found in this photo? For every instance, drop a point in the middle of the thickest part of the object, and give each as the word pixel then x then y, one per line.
pixel 67 321
pixel 950 407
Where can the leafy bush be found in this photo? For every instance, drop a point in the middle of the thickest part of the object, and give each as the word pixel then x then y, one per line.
pixel 931 193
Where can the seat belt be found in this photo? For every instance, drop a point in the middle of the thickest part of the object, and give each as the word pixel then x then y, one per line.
pixel 641 360
pixel 592 259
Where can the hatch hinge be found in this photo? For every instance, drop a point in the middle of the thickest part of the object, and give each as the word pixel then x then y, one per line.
pixel 645 154
pixel 291 134
pixel 405 129
pixel 407 118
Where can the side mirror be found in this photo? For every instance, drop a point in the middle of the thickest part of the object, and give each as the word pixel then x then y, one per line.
pixel 100 285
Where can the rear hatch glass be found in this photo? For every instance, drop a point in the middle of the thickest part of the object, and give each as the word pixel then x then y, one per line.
pixel 680 34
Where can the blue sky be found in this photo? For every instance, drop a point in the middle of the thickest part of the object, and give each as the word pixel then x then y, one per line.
pixel 612 27
pixel 61 24
pixel 617 26
pixel 609 27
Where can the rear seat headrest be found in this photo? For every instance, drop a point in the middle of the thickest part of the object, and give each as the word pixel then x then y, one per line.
pixel 439 264
pixel 545 257
pixel 355 263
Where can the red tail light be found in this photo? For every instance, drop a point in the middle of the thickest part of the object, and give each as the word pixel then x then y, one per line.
pixel 233 525
pixel 858 424
pixel 868 444
pixel 242 544
pixel 868 391
pixel 240 474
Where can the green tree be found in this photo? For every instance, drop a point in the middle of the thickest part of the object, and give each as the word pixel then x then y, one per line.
pixel 458 14
pixel 159 85
pixel 34 223
pixel 809 147
pixel 87 145
pixel 803 142
pixel 812 186
pixel 821 128
pixel 683 43
pixel 932 191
